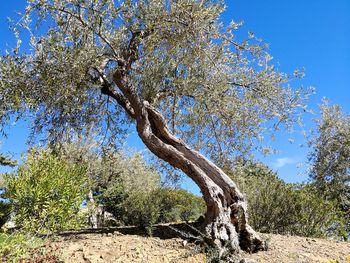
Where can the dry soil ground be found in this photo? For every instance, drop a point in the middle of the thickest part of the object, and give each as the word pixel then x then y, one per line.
pixel 126 248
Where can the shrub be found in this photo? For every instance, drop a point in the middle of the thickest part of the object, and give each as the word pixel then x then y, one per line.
pixel 16 246
pixel 162 205
pixel 141 209
pixel 122 184
pixel 46 193
pixel 317 216
pixel 278 207
pixel 179 205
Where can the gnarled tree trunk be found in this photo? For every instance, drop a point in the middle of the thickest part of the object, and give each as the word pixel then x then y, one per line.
pixel 226 217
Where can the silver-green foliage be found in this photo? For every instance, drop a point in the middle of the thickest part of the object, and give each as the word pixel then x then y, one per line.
pixel 217 92
pixel 330 157
pixel 46 193
pixel 108 166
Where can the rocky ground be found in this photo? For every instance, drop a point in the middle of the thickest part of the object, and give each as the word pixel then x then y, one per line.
pixel 126 248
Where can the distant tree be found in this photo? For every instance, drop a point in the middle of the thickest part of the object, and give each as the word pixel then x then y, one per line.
pixel 169 67
pixel 111 175
pixel 179 205
pixel 126 179
pixel 330 156
pixel 115 187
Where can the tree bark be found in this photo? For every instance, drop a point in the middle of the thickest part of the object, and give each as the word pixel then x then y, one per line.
pixel 93 218
pixel 226 218
pixel 97 212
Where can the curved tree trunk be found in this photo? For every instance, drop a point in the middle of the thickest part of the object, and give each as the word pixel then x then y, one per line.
pixel 225 221
pixel 226 217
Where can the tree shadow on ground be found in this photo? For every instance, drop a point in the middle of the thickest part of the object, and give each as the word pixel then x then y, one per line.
pixel 186 231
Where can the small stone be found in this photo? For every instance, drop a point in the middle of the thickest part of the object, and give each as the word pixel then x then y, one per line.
pixel 248 260
pixel 109 234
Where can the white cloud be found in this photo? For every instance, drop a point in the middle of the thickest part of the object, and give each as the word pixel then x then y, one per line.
pixel 281 162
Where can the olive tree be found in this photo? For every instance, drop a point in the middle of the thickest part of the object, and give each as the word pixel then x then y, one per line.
pixel 112 175
pixel 330 157
pixel 171 68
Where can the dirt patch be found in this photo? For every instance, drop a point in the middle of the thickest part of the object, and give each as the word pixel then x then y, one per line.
pixel 125 248
pixel 117 247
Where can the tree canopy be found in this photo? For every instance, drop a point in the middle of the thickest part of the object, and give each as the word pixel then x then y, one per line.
pixel 216 92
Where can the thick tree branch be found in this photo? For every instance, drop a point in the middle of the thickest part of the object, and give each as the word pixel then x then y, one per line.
pixel 107 89
pixel 120 99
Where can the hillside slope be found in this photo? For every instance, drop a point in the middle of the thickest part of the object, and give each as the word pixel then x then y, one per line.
pixel 116 247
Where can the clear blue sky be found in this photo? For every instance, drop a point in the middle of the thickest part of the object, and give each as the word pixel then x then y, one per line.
pixel 314 34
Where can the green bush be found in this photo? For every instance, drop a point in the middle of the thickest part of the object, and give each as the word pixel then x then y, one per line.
pixel 112 199
pixel 121 183
pixel 16 246
pixel 46 193
pixel 162 205
pixel 179 205
pixel 141 209
pixel 317 216
pixel 278 207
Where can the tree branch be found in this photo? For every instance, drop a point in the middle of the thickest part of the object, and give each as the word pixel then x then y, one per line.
pixel 121 100
pixel 106 89
pixel 4 161
pixel 85 24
